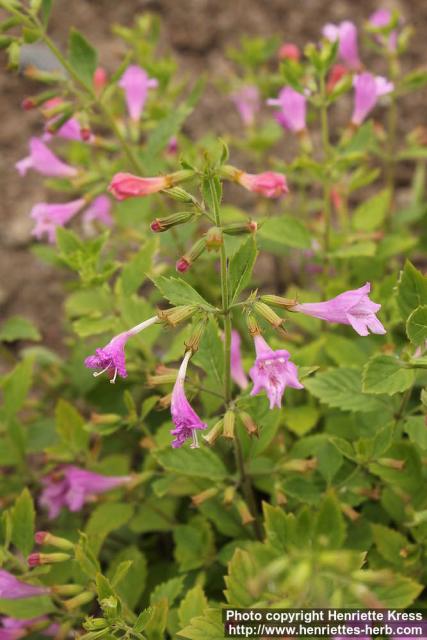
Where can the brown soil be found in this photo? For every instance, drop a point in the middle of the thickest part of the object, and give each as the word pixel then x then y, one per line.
pixel 199 32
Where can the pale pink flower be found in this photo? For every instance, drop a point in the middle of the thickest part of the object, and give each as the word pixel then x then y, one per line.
pixel 381 19
pixel 71 487
pixel 136 83
pixel 293 106
pixel 126 185
pixel 13 629
pixel 99 210
pixel 50 216
pixel 269 183
pixel 289 51
pixel 247 103
pixel 172 146
pixel 13 589
pixel 237 371
pixel 351 307
pixel 273 371
pixel 367 91
pixel 43 160
pixel 346 34
pixel 185 419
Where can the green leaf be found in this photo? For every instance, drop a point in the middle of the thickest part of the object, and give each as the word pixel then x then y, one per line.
pixel 45 11
pixel 26 608
pixel 385 374
pixel 135 271
pixel 371 213
pixel 179 292
pixel 240 269
pixel 411 290
pixel 356 250
pixel 16 386
pixel 279 527
pixel 70 426
pixel 170 590
pixel 342 388
pixel 192 605
pixel 210 355
pixel 416 429
pixel 82 57
pixel 18 328
pixel 194 544
pixel 389 543
pixel 23 517
pixel 329 529
pixel 285 230
pixel 129 581
pixel 416 326
pixel 153 515
pixel 105 518
pixel 399 592
pixel 199 463
pixel 206 627
pixel 301 419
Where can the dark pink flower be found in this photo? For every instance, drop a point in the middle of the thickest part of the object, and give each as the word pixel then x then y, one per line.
pixel 367 90
pixel 50 216
pixel 269 183
pixel 273 372
pixel 43 160
pixel 289 51
pixel 185 419
pixel 12 629
pixel 346 34
pixel 292 105
pixel 100 79
pixel 71 487
pixel 382 18
pixel 136 83
pixel 126 185
pixel 13 589
pixel 351 307
pixel 337 72
pixel 99 210
pixel 247 103
pixel 237 371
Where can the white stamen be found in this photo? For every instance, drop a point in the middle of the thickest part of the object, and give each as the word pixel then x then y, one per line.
pixel 99 373
pixel 143 325
pixel 113 379
pixel 195 443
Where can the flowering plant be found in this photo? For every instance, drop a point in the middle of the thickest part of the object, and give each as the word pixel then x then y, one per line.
pixel 264 429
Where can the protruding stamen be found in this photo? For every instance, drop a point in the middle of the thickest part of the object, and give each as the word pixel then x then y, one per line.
pixel 99 373
pixel 113 379
pixel 195 443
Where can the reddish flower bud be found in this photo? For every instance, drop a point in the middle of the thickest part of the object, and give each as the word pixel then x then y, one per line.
pixel 34 559
pixel 126 185
pixel 337 72
pixel 99 79
pixel 156 226
pixel 289 51
pixel 27 104
pixel 40 536
pixel 182 265
pixel 85 133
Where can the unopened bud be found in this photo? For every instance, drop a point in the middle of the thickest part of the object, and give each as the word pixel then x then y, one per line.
pixel 80 600
pixel 93 624
pixel 185 262
pixel 392 463
pixel 268 314
pixel 229 495
pixel 44 537
pixel 159 225
pixel 104 418
pixel 36 559
pixel 214 433
pixel 229 423
pixel 244 512
pixel 182 265
pixel 193 343
pixel 240 228
pixel 249 424
pixel 301 466
pixel 180 176
pixel 278 301
pixel 280 496
pixel 48 77
pixel 165 401
pixel 66 589
pixel 175 315
pixel 351 513
pixel 99 79
pixel 179 194
pixel 164 378
pixel 203 496
pixel 213 238
pixel 253 325
pixel 289 51
pixel 54 125
pixel 85 133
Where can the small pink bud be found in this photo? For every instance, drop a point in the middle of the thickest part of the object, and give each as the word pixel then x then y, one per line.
pixel 34 559
pixel 99 79
pixel 40 536
pixel 183 265
pixel 156 226
pixel 252 226
pixel 337 72
pixel 289 51
pixel 85 133
pixel 126 185
pixel 269 184
pixel 27 104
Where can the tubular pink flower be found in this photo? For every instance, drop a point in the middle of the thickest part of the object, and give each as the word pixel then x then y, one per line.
pixel 111 358
pixel 237 371
pixel 136 83
pixel 13 589
pixel 367 90
pixel 380 19
pixel 99 209
pixel 50 216
pixel 273 372
pixel 71 487
pixel 351 307
pixel 269 183
pixel 346 34
pixel 126 185
pixel 186 420
pixel 43 160
pixel 292 107
pixel 247 103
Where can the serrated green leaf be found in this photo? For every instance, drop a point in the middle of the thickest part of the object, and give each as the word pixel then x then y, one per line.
pixel 240 268
pixel 411 290
pixel 104 519
pixel 399 592
pixel 329 529
pixel 300 420
pixel 82 57
pixel 128 574
pixel 23 517
pixel 179 292
pixel 285 230
pixel 416 326
pixel 200 463
pixel 206 627
pixel 371 213
pixel 279 527
pixel 192 605
pixel 15 386
pixel 135 271
pixel 384 374
pixel 390 543
pixel 18 328
pixel 26 608
pixel 194 544
pixel 342 388
pixel 70 426
pixel 170 590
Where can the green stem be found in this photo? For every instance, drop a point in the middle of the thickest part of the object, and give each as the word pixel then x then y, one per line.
pixel 326 182
pixel 390 167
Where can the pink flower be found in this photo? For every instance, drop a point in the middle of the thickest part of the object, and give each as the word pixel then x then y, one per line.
pixel 99 209
pixel 111 358
pixel 292 109
pixel 100 79
pixel 50 216
pixel 126 185
pixel 186 420
pixel 289 51
pixel 135 83
pixel 43 160
pixel 13 589
pixel 71 487
pixel 381 19
pixel 367 90
pixel 269 183
pixel 12 629
pixel 346 33
pixel 172 146
pixel 337 72
pixel 247 103
pixel 237 371
pixel 273 371
pixel 351 307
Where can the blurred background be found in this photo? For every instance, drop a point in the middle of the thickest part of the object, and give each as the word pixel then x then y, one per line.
pixel 198 32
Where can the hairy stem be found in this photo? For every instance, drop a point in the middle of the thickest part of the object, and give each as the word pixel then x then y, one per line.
pixel 390 166
pixel 326 182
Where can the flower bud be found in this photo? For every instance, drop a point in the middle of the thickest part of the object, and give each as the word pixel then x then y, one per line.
pixel 165 401
pixel 48 77
pixel 185 262
pixel 93 624
pixel 244 512
pixel 35 101
pixel 159 225
pixel 213 238
pixel 35 559
pixel 44 537
pixel 268 314
pixel 289 51
pixel 240 228
pixel 278 301
pixel 253 325
pixel 229 423
pixel 229 495
pixel 392 463
pixel 104 418
pixel 54 125
pixel 182 265
pixel 66 589
pixel 214 433
pixel 179 194
pixel 300 466
pixel 175 315
pixel 203 496
pixel 162 378
pixel 192 344
pixel 99 79
pixel 249 424
pixel 80 600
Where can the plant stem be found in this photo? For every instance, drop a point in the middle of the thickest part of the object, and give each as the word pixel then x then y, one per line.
pixel 390 168
pixel 326 183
